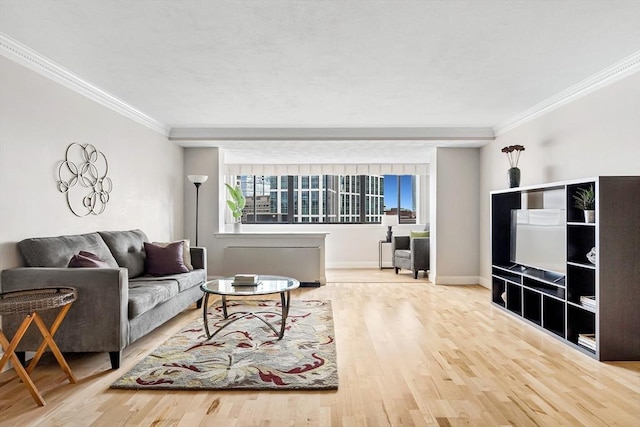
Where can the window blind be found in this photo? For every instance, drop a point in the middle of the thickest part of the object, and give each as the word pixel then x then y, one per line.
pixel 328 169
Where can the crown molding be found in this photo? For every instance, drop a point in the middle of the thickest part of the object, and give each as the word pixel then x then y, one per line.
pixel 193 134
pixel 617 71
pixel 31 59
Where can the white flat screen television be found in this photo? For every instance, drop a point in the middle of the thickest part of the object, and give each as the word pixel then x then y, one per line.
pixel 538 239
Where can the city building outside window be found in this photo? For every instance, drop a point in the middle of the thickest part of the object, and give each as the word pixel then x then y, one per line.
pixel 350 199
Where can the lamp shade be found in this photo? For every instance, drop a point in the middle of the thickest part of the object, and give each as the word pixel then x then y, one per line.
pixel 389 220
pixel 198 179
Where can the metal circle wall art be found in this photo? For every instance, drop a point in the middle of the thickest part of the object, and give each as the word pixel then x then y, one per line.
pixel 83 179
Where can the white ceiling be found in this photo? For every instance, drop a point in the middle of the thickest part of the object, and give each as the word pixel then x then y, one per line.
pixel 328 64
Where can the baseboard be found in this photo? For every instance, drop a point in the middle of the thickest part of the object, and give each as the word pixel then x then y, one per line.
pixel 345 265
pixel 484 282
pixel 455 280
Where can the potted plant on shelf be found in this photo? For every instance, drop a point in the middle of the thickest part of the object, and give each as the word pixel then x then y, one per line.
pixel 236 204
pixel 585 199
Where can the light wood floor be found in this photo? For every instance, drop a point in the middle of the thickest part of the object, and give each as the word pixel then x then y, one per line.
pixel 409 353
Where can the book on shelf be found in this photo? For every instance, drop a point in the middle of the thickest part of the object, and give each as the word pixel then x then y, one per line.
pixel 587 340
pixel 245 279
pixel 588 301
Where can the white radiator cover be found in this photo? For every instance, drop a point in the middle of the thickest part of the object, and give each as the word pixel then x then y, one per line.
pixel 301 263
pixel 300 255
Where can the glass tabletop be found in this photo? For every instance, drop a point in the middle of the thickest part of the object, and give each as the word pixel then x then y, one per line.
pixel 265 285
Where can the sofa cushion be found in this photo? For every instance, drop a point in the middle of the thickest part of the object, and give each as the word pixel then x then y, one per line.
pixel 188 280
pixel 163 260
pixel 127 248
pixel 86 260
pixel 57 251
pixel 403 253
pixel 146 293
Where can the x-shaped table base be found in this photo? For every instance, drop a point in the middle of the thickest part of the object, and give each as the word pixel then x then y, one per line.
pixel 10 347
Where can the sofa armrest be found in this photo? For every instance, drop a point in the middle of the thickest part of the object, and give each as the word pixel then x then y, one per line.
pixel 199 258
pixel 97 320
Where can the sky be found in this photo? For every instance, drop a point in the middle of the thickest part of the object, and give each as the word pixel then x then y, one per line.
pixel 391 192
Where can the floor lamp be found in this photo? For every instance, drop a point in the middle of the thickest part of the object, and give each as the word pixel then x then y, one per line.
pixel 197 180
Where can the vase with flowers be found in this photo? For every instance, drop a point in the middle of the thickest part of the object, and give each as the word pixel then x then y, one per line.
pixel 513 154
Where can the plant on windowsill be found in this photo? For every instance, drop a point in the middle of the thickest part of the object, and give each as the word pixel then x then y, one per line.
pixel 236 204
pixel 585 199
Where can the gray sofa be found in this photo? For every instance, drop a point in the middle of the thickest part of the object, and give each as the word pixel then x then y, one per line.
pixel 411 254
pixel 115 305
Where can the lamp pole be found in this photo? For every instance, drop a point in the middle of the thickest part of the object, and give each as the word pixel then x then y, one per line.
pixel 197 180
pixel 197 184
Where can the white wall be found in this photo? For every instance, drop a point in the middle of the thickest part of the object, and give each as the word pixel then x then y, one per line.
pixel 455 216
pixel 204 161
pixel 38 120
pixel 598 134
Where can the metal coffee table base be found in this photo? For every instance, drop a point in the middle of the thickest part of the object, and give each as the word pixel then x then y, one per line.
pixel 285 299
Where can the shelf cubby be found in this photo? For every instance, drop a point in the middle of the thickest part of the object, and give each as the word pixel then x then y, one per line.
pixel 532 306
pixel 579 321
pixel 544 287
pixel 553 316
pixel 575 215
pixel 514 298
pixel 580 240
pixel 507 274
pixel 497 290
pixel 580 282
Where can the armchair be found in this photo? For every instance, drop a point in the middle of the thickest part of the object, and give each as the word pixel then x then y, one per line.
pixel 411 253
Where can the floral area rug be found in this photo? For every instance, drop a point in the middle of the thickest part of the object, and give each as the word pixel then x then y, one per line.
pixel 246 354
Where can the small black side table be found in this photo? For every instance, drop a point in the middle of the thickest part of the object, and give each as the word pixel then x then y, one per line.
pixel 380 245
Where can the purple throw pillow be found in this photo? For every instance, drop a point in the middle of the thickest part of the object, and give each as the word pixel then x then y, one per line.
pixel 87 260
pixel 161 261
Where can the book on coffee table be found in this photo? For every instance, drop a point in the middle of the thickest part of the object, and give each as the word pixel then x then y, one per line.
pixel 245 280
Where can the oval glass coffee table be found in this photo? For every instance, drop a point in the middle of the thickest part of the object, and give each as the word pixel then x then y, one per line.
pixel 265 285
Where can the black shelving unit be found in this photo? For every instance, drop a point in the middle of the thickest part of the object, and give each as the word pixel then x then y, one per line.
pixel 555 302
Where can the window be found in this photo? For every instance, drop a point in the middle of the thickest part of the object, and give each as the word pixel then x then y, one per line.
pixel 305 203
pixel 352 199
pixel 315 204
pixel 400 197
